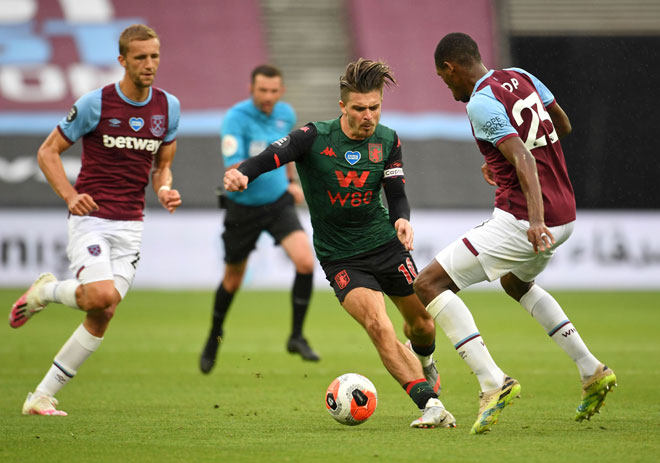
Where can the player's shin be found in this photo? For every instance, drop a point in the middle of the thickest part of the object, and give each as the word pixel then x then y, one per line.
pixel 71 356
pixel 547 311
pixel 453 316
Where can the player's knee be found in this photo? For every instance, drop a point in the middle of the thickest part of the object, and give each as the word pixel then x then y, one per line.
pixel 232 281
pixel 305 266
pixel 424 287
pixel 99 298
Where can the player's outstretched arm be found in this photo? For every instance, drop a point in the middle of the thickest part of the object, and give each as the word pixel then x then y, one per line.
pixel 522 159
pixel 50 164
pixel 161 178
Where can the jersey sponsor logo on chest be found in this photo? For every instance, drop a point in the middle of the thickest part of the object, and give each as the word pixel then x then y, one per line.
pixel 134 143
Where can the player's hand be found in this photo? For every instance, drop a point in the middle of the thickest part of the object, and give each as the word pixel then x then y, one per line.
pixel 169 199
pixel 405 233
pixel 488 175
pixel 235 181
pixel 540 237
pixel 296 191
pixel 81 204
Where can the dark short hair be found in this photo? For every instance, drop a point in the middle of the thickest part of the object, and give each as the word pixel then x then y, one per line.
pixel 135 32
pixel 456 47
pixel 363 76
pixel 266 70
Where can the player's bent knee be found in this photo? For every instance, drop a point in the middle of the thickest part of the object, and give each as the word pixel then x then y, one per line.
pixel 100 298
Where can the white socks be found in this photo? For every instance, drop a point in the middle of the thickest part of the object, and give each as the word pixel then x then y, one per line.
pixel 453 316
pixel 545 310
pixel 62 292
pixel 67 361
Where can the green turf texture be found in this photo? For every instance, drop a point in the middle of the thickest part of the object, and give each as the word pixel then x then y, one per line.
pixel 142 398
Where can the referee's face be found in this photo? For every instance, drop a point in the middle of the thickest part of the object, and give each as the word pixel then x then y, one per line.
pixel 266 91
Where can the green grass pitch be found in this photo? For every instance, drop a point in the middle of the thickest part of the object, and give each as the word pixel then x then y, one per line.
pixel 142 398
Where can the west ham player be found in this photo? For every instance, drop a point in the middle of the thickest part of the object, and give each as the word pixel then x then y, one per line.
pixel 128 129
pixel 249 126
pixel 517 124
pixel 363 249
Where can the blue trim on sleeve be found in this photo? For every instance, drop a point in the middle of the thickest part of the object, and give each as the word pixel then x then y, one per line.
pixel 488 117
pixel 546 95
pixel 88 115
pixel 173 116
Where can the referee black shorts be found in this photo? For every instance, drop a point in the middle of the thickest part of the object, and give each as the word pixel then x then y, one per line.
pixel 244 224
pixel 388 268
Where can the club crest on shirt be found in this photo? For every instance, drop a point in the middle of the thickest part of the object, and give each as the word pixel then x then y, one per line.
pixel 157 125
pixel 136 123
pixel 352 157
pixel 375 152
pixel 94 249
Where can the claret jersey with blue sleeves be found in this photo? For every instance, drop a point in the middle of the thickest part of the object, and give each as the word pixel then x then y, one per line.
pixel 246 131
pixel 120 138
pixel 512 103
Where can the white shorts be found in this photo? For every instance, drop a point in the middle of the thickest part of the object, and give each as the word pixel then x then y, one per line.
pixel 495 248
pixel 101 249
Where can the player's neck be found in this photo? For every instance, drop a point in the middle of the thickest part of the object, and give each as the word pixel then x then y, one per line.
pixel 132 91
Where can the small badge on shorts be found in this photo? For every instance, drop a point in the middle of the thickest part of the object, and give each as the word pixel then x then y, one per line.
pixel 342 279
pixel 94 249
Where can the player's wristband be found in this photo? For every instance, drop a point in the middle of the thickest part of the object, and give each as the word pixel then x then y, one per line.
pixel 164 187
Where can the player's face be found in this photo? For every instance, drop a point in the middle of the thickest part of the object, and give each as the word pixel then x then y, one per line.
pixel 361 114
pixel 266 91
pixel 451 77
pixel 141 61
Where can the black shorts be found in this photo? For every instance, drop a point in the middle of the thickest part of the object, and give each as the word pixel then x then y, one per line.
pixel 244 224
pixel 388 268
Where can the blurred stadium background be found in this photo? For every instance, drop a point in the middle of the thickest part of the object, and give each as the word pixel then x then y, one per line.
pixel 595 55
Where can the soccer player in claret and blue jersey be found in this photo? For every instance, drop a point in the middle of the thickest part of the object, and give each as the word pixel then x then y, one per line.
pixel 363 248
pixel 249 126
pixel 517 124
pixel 128 130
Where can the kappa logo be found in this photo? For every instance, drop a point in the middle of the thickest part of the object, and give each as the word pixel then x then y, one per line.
pixel 157 125
pixel 136 123
pixel 94 249
pixel 352 157
pixel 329 152
pixel 342 279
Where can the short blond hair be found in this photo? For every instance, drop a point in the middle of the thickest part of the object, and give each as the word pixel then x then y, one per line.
pixel 135 32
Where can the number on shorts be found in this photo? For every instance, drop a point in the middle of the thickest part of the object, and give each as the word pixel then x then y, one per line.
pixel 408 272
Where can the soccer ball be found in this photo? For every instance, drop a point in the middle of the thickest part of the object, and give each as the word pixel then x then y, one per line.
pixel 351 399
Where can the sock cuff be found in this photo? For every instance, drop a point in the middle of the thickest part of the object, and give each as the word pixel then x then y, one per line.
pixel 440 302
pixel 86 339
pixel 531 297
pixel 408 386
